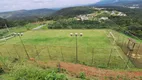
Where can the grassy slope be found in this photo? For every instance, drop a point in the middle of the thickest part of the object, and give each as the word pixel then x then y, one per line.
pixel 4 32
pixel 91 38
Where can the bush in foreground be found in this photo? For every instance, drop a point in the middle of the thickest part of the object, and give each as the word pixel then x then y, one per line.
pixel 33 73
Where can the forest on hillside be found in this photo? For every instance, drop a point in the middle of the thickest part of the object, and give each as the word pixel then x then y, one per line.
pixel 64 19
pixel 132 23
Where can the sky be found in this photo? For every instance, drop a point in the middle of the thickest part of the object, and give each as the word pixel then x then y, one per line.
pixel 11 5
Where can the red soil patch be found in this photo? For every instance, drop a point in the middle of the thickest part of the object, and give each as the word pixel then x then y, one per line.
pixel 91 71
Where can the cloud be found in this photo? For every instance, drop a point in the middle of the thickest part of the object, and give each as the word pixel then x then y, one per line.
pixel 10 5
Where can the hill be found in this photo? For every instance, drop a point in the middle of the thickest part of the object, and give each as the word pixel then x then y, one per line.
pixel 73 11
pixel 26 14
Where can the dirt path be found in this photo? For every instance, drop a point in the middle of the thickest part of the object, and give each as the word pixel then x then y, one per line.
pixel 38 27
pixel 6 38
pixel 75 69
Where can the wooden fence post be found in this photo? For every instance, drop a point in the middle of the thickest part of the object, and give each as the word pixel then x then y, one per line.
pixel 62 53
pixel 92 56
pixel 2 60
pixel 28 56
pixel 137 56
pixel 1 54
pixel 16 51
pixel 37 53
pixel 129 52
pixel 8 53
pixel 110 57
pixel 49 53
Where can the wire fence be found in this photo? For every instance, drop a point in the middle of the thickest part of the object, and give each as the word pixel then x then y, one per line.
pixel 97 57
pixel 131 48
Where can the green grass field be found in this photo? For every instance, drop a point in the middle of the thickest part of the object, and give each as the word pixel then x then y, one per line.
pixel 90 38
pixel 94 47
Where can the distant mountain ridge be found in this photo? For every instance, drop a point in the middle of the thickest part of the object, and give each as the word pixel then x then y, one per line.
pixel 122 3
pixel 26 14
pixel 33 14
pixel 106 2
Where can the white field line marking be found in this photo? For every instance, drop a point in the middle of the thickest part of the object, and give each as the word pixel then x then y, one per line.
pixel 114 42
pixel 118 54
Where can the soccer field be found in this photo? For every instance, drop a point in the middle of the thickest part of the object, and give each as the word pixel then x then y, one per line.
pixel 94 48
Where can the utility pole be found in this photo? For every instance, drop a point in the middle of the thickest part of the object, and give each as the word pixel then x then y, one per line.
pixel 21 34
pixel 76 35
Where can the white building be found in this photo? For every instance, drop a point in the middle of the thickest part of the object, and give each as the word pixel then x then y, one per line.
pixel 82 17
pixel 121 14
pixel 116 13
pixel 104 18
pixel 135 6
pixel 113 13
pixel 106 11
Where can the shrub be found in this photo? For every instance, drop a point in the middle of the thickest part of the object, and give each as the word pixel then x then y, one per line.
pixel 27 73
pixel 82 76
pixel 1 70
